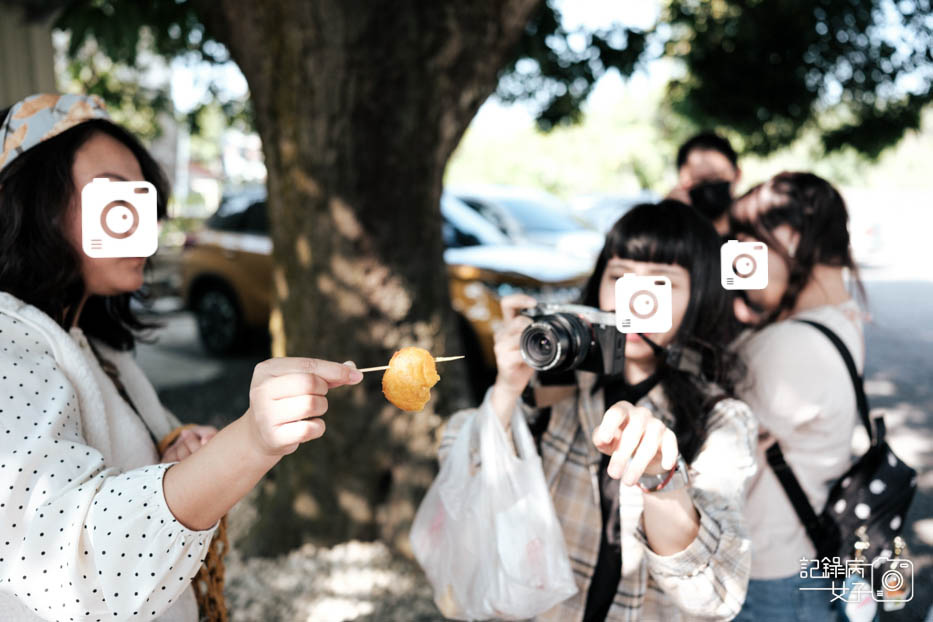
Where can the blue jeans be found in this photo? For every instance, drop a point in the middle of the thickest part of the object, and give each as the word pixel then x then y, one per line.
pixel 782 600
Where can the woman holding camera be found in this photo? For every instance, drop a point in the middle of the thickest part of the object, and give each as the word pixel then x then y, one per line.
pixel 96 522
pixel 799 387
pixel 668 540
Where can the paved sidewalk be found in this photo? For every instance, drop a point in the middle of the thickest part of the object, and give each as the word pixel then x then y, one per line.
pixel 899 378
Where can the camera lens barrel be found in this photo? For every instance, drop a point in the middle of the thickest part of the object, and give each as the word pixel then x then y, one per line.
pixel 557 342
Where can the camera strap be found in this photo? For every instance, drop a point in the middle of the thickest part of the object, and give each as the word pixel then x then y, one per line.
pixel 617 388
pixel 676 357
pixel 659 351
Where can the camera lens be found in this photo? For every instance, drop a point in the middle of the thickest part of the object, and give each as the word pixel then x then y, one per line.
pixel 557 342
pixel 541 346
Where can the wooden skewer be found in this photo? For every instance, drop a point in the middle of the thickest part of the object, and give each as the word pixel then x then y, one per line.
pixel 440 359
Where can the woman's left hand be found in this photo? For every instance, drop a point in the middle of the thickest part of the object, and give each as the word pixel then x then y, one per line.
pixel 189 441
pixel 639 443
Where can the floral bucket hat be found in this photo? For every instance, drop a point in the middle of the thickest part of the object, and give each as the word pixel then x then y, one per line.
pixel 44 116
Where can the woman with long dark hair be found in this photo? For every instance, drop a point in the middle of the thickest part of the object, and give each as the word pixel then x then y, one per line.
pixel 668 541
pixel 798 385
pixel 96 522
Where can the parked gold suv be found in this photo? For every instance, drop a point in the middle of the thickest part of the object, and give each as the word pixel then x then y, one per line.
pixel 227 266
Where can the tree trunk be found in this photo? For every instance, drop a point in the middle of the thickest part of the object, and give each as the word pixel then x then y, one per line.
pixel 359 104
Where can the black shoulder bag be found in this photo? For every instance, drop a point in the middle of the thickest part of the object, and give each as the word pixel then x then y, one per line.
pixel 867 505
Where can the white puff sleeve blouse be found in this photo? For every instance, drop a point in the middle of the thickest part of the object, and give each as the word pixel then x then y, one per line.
pixel 85 532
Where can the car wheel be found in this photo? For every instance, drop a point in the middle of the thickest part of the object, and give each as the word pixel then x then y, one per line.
pixel 219 320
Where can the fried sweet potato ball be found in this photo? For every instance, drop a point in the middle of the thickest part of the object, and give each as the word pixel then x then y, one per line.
pixel 408 381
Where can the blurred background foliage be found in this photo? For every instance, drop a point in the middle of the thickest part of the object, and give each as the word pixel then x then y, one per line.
pixel 121 50
pixel 857 73
pixel 828 85
pixel 630 146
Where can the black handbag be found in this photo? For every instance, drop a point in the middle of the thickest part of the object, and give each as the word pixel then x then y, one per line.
pixel 866 508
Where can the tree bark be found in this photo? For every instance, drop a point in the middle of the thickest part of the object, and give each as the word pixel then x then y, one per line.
pixel 359 105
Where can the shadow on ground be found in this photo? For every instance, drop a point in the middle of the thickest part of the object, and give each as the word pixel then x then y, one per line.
pixel 899 374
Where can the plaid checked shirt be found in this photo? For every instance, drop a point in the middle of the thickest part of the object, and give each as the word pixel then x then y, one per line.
pixel 705 581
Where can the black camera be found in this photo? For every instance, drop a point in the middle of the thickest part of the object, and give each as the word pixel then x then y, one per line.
pixel 566 337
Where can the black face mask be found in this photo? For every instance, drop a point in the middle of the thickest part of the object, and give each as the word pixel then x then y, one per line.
pixel 711 198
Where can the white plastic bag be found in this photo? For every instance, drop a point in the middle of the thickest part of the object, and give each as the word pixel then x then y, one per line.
pixel 486 533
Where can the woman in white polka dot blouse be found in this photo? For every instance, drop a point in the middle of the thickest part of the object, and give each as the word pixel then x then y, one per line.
pixel 94 523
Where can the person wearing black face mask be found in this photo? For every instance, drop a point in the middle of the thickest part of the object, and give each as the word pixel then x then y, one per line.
pixel 707 175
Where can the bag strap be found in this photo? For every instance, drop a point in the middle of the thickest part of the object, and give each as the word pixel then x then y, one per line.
pixel 783 472
pixel 857 380
pixel 798 498
pixel 112 372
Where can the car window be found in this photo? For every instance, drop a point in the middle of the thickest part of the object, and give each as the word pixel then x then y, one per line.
pixel 488 212
pixel 232 214
pixel 226 222
pixel 464 227
pixel 256 219
pixel 538 216
pixel 454 237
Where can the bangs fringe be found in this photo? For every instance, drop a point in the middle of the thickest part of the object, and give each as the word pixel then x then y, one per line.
pixel 656 234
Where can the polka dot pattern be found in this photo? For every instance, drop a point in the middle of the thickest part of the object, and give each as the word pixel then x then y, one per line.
pixel 79 539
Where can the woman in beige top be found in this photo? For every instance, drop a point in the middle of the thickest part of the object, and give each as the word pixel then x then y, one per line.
pixel 798 385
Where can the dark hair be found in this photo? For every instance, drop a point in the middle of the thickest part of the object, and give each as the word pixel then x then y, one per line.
pixel 38 264
pixel 708 141
pixel 812 207
pixel 671 232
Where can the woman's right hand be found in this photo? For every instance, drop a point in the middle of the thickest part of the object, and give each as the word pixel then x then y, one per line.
pixel 287 397
pixel 513 373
